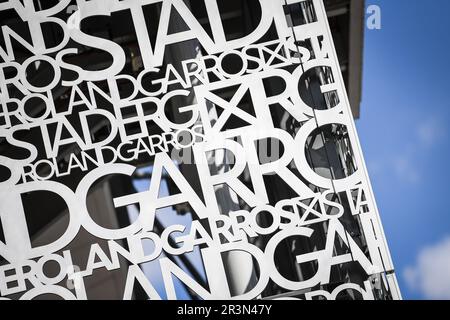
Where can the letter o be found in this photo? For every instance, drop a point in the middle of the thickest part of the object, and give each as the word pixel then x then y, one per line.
pixel 51 62
pixel 40 269
pixel 265 230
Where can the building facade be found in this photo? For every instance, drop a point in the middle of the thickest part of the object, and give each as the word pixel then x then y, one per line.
pixel 186 149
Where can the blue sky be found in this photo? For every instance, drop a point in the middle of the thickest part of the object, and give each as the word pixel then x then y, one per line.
pixel 404 129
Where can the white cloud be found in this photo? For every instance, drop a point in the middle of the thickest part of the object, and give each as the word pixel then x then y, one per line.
pixel 404 163
pixel 430 131
pixel 430 275
pixel 406 169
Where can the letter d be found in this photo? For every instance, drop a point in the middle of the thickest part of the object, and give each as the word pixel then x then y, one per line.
pixel 215 271
pixel 17 247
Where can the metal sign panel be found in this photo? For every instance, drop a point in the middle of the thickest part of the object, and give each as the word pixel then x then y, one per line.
pixel 253 130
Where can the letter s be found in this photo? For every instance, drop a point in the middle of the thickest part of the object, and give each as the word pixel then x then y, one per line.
pixel 108 46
